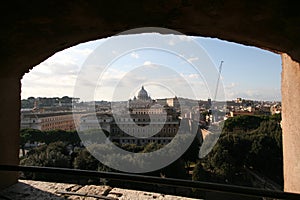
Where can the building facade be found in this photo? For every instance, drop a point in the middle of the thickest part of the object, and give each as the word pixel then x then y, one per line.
pixel 142 122
pixel 50 121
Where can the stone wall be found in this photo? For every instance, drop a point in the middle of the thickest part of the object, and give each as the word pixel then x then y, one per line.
pixel 290 87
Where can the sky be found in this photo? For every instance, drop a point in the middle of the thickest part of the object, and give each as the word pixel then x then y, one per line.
pixel 166 65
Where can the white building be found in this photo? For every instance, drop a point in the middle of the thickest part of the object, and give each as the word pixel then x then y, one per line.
pixel 134 126
pixel 50 121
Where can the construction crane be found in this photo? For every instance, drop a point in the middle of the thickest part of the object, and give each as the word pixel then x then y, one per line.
pixel 217 86
pixel 216 92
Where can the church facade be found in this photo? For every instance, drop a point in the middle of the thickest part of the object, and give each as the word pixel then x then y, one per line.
pixel 145 121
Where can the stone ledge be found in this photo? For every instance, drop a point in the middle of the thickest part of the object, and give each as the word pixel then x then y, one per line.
pixel 35 190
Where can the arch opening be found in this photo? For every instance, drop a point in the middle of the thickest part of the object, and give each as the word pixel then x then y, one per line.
pixel 251 75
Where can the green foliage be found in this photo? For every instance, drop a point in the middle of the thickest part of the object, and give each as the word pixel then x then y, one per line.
pixel 29 135
pixel 132 148
pixel 33 135
pixel 53 155
pixel 276 117
pixel 192 153
pixel 199 173
pixel 175 170
pixel 84 160
pixel 252 141
pixel 153 146
pixel 70 137
pixel 93 136
pixel 266 157
pixel 242 123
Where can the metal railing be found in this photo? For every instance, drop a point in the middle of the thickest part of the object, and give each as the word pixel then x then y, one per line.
pixel 205 186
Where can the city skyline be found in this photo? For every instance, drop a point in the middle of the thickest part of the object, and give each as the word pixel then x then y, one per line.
pixel 101 100
pixel 248 72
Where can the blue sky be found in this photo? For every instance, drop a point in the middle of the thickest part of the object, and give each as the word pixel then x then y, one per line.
pixel 248 72
pixel 171 66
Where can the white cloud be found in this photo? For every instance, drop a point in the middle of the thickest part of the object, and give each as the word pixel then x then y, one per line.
pixel 114 52
pixel 192 59
pixel 253 94
pixel 190 76
pixel 174 39
pixel 113 74
pixel 231 85
pixel 185 38
pixel 57 75
pixel 193 76
pixel 147 63
pixel 171 42
pixel 81 52
pixel 134 55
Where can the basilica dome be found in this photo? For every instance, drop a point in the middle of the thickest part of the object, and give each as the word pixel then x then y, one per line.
pixel 143 94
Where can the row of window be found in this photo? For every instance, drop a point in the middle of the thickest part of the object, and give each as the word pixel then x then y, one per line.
pixel 164 130
pixel 144 119
pixel 135 141
pixel 147 112
pixel 152 125
pixel 58 125
pixel 49 119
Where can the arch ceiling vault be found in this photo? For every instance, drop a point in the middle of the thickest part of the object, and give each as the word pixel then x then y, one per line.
pixel 33 31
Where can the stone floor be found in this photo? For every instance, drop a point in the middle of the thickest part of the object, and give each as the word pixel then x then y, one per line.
pixel 38 190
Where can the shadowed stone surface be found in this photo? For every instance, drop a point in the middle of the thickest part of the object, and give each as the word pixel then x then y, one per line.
pixel 39 190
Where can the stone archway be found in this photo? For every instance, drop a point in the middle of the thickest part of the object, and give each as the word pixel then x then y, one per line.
pixel 30 33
